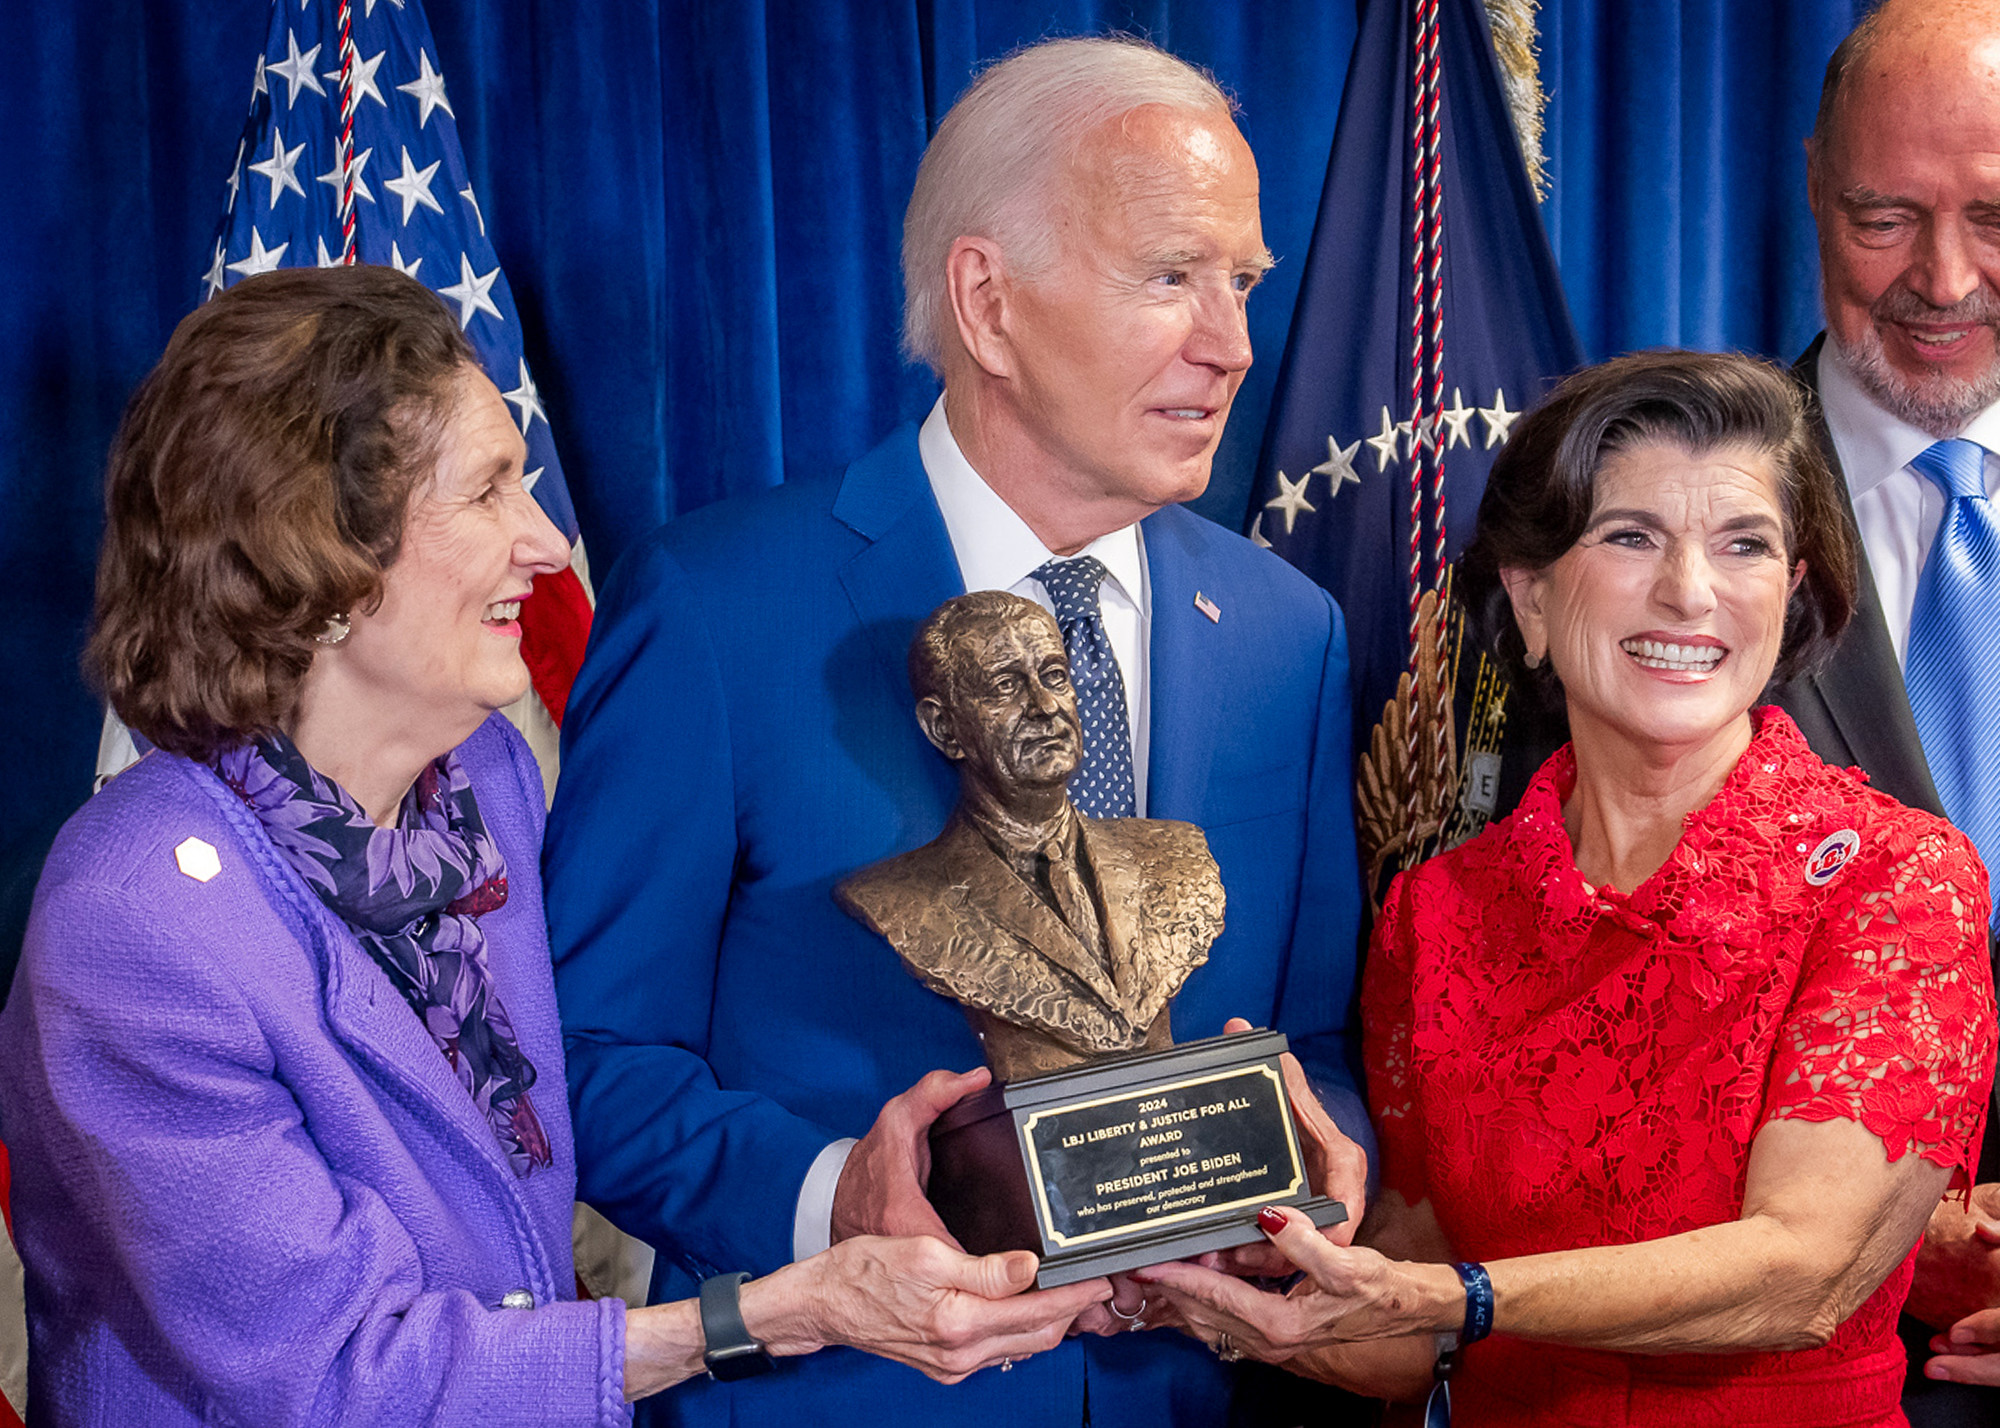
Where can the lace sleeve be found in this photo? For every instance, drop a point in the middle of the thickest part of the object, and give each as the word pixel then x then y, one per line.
pixel 1892 1024
pixel 1387 1013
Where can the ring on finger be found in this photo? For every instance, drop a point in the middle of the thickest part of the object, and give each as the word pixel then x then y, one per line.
pixel 1225 1349
pixel 1135 1318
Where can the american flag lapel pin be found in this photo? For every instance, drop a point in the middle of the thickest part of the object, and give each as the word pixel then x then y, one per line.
pixel 1208 607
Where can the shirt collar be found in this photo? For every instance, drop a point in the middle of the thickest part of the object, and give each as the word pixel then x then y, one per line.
pixel 996 550
pixel 1875 444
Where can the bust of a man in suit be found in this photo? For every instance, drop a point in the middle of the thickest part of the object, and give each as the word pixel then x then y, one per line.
pixel 1064 937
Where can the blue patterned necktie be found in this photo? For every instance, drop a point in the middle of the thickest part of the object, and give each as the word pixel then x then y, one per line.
pixel 1103 787
pixel 1952 665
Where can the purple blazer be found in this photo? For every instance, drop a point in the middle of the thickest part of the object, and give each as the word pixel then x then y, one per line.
pixel 247 1188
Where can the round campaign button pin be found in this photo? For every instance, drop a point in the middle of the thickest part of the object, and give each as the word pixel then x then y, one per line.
pixel 1833 853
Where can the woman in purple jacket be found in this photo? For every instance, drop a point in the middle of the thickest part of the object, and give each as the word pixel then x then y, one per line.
pixel 281 1071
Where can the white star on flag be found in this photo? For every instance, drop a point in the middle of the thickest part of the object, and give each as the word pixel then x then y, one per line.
pixel 364 79
pixel 278 168
pixel 413 186
pixel 427 89
pixel 474 294
pixel 213 279
pixel 260 259
pixel 1291 499
pixel 1257 533
pixel 332 178
pixel 409 269
pixel 236 173
pixel 1499 421
pixel 1384 442
pixel 1457 416
pixel 1338 468
pixel 472 198
pixel 325 259
pixel 528 481
pixel 526 397
pixel 296 70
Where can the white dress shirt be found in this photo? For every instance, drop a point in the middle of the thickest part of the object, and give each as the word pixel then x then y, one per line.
pixel 997 551
pixel 1897 510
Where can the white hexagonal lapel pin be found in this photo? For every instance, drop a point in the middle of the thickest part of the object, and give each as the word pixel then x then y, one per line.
pixel 198 859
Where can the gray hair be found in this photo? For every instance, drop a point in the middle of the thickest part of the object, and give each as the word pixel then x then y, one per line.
pixel 989 170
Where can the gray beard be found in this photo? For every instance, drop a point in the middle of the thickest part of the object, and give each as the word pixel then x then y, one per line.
pixel 1938 404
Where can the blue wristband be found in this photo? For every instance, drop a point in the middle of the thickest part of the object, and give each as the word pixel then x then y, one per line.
pixel 1478 1303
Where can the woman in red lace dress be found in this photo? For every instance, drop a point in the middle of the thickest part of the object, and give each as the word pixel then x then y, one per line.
pixel 1687 1048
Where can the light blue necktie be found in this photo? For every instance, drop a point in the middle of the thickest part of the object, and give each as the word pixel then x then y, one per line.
pixel 1952 664
pixel 1103 787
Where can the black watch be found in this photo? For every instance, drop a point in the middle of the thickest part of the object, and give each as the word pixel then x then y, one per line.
pixel 731 1353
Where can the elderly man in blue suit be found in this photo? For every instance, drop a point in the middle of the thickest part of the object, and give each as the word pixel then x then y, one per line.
pixel 1082 241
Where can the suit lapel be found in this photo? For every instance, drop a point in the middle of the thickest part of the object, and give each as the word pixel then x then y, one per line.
pixel 1862 685
pixel 907 568
pixel 1186 649
pixel 995 889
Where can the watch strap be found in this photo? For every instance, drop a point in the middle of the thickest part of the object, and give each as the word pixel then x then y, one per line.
pixel 730 1353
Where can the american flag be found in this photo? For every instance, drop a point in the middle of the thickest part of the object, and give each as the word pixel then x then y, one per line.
pixel 361 78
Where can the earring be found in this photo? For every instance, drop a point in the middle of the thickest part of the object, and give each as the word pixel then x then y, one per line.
pixel 335 631
pixel 1532 660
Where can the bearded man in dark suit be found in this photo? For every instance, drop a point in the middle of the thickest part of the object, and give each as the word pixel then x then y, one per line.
pixel 1903 174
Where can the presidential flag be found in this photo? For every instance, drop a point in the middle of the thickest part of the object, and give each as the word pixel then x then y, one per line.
pixel 351 153
pixel 1429 317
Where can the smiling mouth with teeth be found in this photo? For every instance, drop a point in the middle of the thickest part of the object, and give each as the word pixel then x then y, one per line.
pixel 1658 654
pixel 1937 339
pixel 501 611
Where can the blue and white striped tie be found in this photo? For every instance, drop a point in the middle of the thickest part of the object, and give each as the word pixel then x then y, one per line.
pixel 1103 787
pixel 1952 665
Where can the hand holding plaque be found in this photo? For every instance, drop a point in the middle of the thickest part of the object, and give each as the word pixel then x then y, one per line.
pixel 1102 1146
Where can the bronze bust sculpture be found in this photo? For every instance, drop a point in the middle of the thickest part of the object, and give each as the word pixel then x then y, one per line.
pixel 1064 937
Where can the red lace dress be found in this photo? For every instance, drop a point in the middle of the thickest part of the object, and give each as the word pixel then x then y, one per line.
pixel 1556 1066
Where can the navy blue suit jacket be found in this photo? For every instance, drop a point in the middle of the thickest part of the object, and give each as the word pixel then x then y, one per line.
pixel 742 737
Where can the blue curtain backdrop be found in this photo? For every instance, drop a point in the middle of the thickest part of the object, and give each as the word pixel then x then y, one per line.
pixel 698 207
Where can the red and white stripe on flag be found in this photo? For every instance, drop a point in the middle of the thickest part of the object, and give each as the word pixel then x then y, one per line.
pixel 13 1316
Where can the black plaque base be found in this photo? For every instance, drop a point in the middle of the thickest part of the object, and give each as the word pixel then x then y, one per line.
pixel 1124 1162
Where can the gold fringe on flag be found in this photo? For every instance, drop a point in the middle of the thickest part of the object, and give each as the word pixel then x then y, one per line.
pixel 1513 25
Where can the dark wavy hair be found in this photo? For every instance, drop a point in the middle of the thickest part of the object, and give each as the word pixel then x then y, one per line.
pixel 257 487
pixel 1542 489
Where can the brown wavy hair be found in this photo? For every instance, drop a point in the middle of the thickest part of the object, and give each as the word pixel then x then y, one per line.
pixel 257 487
pixel 1543 487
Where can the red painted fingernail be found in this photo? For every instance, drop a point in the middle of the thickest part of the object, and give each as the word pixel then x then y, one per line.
pixel 1270 1221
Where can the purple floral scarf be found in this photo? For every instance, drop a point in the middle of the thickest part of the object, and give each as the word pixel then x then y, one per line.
pixel 412 895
